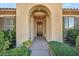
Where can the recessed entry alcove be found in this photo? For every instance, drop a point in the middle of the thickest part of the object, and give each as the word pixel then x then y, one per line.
pixel 34 20
pixel 39 21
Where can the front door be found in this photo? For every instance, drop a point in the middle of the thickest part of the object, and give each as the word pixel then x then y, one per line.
pixel 39 29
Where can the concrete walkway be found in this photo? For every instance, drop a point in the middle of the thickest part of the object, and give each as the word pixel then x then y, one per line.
pixel 39 47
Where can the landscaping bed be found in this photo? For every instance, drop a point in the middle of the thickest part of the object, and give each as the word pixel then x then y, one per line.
pixel 19 51
pixel 8 46
pixel 61 49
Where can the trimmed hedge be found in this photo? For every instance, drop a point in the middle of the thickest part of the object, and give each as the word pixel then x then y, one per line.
pixel 19 51
pixel 61 49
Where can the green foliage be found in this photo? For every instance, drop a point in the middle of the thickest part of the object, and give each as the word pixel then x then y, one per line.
pixel 77 42
pixel 61 49
pixel 4 53
pixel 7 35
pixel 6 39
pixel 19 51
pixel 11 36
pixel 71 35
pixel 27 43
pixel 4 44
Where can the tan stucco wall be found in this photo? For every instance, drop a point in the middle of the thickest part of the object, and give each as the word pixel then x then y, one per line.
pixel 1 23
pixel 22 21
pixel 57 23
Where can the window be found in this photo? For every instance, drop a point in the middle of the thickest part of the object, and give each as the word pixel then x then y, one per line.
pixel 66 23
pixel 69 23
pixel 8 23
pixel 77 23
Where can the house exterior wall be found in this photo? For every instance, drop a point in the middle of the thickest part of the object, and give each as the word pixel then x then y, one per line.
pixel 22 22
pixel 22 12
pixel 1 23
pixel 56 23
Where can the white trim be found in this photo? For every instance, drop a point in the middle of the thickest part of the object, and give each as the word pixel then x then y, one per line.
pixel 6 15
pixel 71 15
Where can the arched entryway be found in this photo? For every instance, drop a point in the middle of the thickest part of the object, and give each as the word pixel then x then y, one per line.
pixel 25 21
pixel 39 22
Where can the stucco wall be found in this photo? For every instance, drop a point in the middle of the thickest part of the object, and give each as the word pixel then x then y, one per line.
pixel 22 21
pixel 56 22
pixel 1 23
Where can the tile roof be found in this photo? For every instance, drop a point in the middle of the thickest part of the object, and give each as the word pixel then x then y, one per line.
pixel 7 8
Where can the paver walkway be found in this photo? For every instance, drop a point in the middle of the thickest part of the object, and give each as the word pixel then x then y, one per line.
pixel 39 47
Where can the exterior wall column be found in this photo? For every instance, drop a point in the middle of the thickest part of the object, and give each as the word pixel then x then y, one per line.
pixel 47 29
pixel 56 23
pixel 32 28
pixel 22 24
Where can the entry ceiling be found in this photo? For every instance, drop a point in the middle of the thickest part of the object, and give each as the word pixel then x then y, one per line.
pixel 39 14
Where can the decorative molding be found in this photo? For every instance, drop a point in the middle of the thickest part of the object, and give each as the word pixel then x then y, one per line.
pixel 69 12
pixel 65 11
pixel 7 11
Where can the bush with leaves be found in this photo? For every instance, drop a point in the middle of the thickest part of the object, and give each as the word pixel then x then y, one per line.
pixel 62 49
pixel 19 51
pixel 71 35
pixel 7 35
pixel 27 43
pixel 4 43
pixel 11 36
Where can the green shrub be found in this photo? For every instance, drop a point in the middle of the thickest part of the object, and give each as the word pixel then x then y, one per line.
pixel 61 49
pixel 4 44
pixel 7 35
pixel 11 36
pixel 4 53
pixel 71 35
pixel 27 43
pixel 77 42
pixel 19 51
